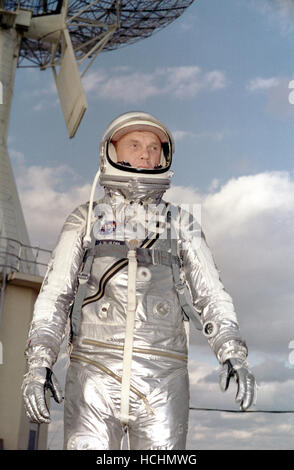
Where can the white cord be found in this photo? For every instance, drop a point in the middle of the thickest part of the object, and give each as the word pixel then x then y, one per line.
pixel 87 238
pixel 130 323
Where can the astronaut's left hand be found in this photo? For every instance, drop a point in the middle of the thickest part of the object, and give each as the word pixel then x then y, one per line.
pixel 246 386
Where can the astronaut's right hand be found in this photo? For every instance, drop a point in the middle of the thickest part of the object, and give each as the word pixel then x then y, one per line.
pixel 34 386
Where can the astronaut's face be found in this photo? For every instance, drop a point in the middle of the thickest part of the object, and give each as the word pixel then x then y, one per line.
pixel 141 149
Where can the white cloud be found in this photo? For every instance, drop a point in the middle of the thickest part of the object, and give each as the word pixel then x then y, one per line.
pixel 216 79
pixel 246 197
pixel 48 90
pixel 17 157
pixel 213 430
pixel 132 87
pixel 183 195
pixel 277 91
pixel 180 135
pixel 189 23
pixel 187 81
pixel 225 430
pixel 259 83
pixel 45 200
pixel 38 106
pixel 41 91
pixel 93 80
pixel 214 185
pixel 249 225
pixel 184 81
pixel 278 12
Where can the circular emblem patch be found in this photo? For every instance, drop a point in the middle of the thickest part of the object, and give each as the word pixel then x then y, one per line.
pixel 108 227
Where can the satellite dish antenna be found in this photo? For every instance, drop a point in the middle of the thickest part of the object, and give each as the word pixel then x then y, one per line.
pixel 64 35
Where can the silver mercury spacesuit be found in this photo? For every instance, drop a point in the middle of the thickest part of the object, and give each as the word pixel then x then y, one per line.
pixel 128 259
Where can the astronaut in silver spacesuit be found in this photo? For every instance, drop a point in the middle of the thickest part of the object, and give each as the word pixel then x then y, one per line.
pixel 127 271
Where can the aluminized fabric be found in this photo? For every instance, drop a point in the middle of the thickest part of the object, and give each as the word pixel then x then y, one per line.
pixel 159 397
pixel 92 406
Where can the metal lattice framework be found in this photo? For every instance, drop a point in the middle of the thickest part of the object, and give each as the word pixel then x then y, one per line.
pixel 97 25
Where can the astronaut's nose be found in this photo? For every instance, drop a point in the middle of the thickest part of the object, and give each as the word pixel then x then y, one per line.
pixel 144 155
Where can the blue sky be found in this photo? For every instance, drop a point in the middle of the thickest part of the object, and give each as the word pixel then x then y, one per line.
pixel 226 125
pixel 218 78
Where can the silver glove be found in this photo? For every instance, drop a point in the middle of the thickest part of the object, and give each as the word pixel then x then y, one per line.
pixel 34 387
pixel 246 386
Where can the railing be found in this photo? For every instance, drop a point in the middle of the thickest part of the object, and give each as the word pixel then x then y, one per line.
pixel 15 256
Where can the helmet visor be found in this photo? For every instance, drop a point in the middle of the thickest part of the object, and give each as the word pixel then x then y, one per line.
pixel 140 143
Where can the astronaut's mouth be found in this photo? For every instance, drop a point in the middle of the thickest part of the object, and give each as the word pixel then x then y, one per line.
pixel 124 163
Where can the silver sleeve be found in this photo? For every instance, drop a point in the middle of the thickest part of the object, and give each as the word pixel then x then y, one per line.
pixel 51 310
pixel 210 299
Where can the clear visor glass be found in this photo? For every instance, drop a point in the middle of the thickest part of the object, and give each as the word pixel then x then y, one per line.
pixel 138 156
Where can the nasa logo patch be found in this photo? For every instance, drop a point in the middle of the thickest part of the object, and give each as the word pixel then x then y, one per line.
pixel 108 227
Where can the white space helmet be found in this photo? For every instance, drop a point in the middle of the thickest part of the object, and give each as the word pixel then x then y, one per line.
pixel 135 182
